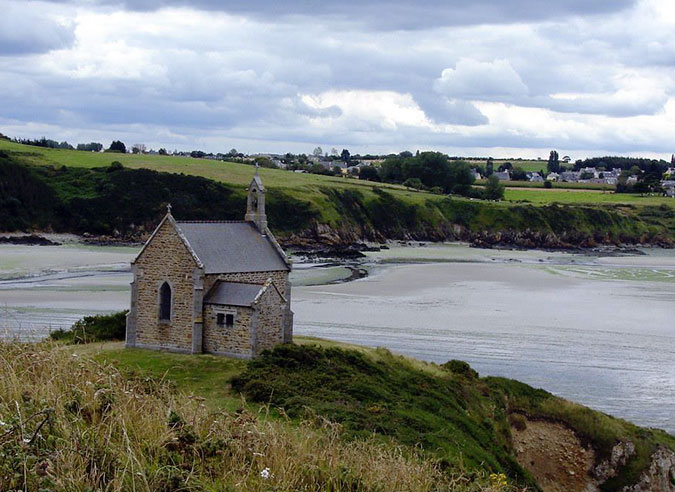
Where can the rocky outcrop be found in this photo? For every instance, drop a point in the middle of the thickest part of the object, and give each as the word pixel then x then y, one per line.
pixel 610 467
pixel 322 236
pixel 660 476
pixel 560 462
pixel 28 240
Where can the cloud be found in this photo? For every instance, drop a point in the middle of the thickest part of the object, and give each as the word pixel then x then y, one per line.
pixel 29 29
pixel 472 79
pixel 392 14
pixel 342 74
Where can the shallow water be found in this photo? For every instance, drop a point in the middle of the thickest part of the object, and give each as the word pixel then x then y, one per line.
pixel 597 330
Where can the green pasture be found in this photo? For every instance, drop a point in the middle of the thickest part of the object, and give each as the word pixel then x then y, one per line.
pixel 542 196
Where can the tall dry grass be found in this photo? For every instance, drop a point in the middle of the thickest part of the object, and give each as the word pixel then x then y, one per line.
pixel 68 423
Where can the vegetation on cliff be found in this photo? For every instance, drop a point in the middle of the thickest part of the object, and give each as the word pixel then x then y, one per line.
pixel 100 417
pixel 122 198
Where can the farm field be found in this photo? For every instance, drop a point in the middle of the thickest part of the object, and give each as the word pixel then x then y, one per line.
pixel 542 196
pixel 306 186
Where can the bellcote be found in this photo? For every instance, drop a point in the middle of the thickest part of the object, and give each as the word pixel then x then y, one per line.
pixel 255 203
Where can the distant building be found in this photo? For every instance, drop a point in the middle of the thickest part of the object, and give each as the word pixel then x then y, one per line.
pixel 502 175
pixel 553 177
pixel 536 178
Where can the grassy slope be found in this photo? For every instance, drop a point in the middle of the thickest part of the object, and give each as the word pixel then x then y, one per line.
pixel 396 213
pixel 240 174
pixel 454 417
pixel 71 423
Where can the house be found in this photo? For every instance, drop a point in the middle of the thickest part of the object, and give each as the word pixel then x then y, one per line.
pixel 668 186
pixel 570 176
pixel 476 174
pixel 552 177
pixel 502 175
pixel 212 286
pixel 536 178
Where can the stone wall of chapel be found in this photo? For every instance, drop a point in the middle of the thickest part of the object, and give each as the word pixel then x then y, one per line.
pixel 234 340
pixel 166 258
pixel 270 327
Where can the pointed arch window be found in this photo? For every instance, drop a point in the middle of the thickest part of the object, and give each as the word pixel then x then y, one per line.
pixel 165 302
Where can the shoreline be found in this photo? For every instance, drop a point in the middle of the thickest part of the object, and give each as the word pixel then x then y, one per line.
pixel 314 249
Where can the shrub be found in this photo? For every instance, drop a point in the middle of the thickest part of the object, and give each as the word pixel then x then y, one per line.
pixel 94 329
pixel 460 367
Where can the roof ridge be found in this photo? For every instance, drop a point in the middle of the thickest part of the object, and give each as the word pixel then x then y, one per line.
pixel 211 221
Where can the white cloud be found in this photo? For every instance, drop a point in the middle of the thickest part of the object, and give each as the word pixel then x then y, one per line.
pixel 473 79
pixel 366 110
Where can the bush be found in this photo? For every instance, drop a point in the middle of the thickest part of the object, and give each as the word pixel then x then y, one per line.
pixel 94 329
pixel 494 190
pixel 548 184
pixel 460 367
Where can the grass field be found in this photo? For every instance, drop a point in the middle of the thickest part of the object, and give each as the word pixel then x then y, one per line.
pixel 307 184
pixel 543 196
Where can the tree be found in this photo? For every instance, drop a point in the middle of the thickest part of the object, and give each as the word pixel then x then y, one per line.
pixel 459 178
pixel 489 168
pixel 518 174
pixel 318 152
pixel 369 173
pixel 162 151
pixel 117 146
pixel 138 148
pixel 494 190
pixel 334 152
pixel 90 147
pixel 413 183
pixel 345 155
pixel 553 162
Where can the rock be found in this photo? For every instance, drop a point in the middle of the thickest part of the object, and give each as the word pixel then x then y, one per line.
pixel 28 239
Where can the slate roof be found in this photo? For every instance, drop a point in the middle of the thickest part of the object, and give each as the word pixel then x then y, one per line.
pixel 230 247
pixel 233 294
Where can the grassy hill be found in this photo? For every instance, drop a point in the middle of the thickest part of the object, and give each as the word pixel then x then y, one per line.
pixel 80 192
pixel 317 416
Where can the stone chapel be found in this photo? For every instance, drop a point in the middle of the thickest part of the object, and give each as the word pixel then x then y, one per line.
pixel 212 286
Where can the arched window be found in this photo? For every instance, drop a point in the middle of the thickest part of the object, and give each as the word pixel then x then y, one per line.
pixel 165 302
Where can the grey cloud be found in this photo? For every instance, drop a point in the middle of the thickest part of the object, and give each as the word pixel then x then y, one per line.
pixel 26 30
pixel 395 14
pixel 449 111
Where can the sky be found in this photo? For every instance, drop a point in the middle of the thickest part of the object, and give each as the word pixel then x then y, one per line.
pixel 507 78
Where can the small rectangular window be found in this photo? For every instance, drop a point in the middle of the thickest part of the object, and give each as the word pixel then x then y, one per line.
pixel 220 319
pixel 229 320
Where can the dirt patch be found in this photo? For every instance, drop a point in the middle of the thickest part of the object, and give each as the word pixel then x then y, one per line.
pixel 554 455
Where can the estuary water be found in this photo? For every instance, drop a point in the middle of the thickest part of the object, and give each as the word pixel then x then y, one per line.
pixel 599 330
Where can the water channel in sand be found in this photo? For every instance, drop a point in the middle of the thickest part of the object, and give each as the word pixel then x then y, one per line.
pixel 599 330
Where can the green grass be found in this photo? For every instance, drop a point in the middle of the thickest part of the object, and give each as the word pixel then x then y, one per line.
pixel 455 418
pixel 542 196
pixel 240 175
pixel 204 376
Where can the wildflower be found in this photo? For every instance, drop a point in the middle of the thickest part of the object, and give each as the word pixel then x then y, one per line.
pixel 26 440
pixel 498 480
pixel 257 454
pixel 265 473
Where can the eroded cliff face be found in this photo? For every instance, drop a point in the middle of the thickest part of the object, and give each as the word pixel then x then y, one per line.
pixel 320 235
pixel 560 461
